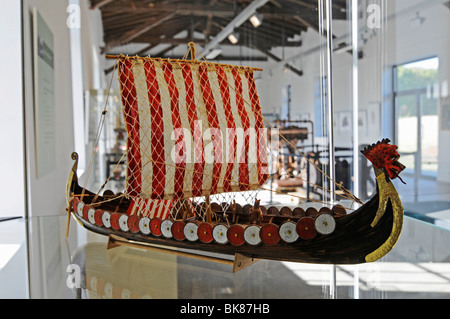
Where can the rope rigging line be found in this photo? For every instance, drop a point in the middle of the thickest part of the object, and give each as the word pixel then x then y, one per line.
pixel 241 183
pixel 193 51
pixel 99 130
pixel 339 185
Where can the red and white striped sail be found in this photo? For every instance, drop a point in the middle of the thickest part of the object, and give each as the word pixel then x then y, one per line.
pixel 194 129
pixel 150 208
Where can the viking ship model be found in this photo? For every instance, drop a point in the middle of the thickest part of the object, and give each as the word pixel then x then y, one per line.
pixel 196 140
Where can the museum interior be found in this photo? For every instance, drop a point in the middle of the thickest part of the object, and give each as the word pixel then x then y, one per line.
pixel 312 85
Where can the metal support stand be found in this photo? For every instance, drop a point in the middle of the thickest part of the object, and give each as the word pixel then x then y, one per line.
pixel 240 261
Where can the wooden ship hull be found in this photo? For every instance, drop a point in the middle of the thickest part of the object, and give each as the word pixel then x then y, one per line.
pixel 364 235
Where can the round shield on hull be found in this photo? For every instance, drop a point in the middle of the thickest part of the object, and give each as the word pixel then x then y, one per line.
pixel 98 217
pixel 288 232
pixel 123 223
pixel 144 225
pixel 311 212
pixel 155 226
pixel 133 223
pixel 269 234
pixel 339 210
pixel 106 219
pixel 298 212
pixel 285 211
pixel 205 233
pixel 305 228
pixel 80 208
pixel 91 215
pixel 325 224
pixel 75 202
pixel 115 221
pixel 85 212
pixel 325 210
pixel 190 231
pixel 178 230
pixel 235 235
pixel 220 233
pixel 273 210
pixel 251 235
pixel 166 228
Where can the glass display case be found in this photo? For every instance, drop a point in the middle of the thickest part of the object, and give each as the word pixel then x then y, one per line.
pixel 47 265
pixel 380 72
pixel 337 76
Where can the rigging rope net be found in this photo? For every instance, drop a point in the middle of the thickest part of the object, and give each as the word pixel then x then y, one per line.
pixel 194 130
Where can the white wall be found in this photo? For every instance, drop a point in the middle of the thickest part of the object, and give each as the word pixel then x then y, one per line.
pixel 87 65
pixel 91 42
pixel 82 46
pixel 46 194
pixel 12 187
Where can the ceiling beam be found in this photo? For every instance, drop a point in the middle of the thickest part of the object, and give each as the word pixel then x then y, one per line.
pixel 312 25
pixel 236 22
pixel 142 51
pixel 133 34
pixel 277 59
pixel 165 40
pixel 218 11
pixel 100 4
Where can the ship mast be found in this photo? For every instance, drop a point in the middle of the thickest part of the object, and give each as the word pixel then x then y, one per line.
pixel 208 217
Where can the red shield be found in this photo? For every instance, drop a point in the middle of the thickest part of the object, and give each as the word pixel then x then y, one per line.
pixel 85 212
pixel 177 230
pixel 133 223
pixel 269 234
pixel 75 203
pixel 235 235
pixel 205 233
pixel 98 217
pixel 306 229
pixel 155 226
pixel 115 221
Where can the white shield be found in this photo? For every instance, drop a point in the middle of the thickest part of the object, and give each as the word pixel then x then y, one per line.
pixel 106 219
pixel 288 232
pixel 80 207
pixel 325 224
pixel 220 234
pixel 190 231
pixel 251 235
pixel 123 222
pixel 144 225
pixel 91 215
pixel 166 228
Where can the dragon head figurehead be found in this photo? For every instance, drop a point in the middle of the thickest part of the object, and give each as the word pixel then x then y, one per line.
pixel 385 157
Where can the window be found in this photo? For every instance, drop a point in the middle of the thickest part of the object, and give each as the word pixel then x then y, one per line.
pixel 416 107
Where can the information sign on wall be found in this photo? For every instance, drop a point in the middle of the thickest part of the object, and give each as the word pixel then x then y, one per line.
pixel 44 96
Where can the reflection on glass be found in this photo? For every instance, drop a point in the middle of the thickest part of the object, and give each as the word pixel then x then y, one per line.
pixel 417 114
